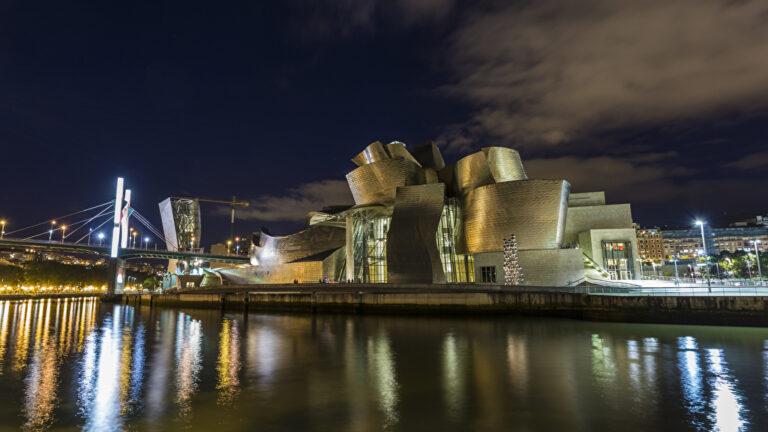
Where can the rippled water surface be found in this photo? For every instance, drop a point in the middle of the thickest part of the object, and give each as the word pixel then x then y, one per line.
pixel 79 364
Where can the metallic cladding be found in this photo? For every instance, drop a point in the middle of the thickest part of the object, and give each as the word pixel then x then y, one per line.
pixel 412 254
pixel 373 153
pixel 428 155
pixel 311 241
pixel 377 183
pixel 471 172
pixel 533 210
pixel 505 164
pixel 397 150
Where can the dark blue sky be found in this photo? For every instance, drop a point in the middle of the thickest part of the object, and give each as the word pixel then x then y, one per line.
pixel 269 100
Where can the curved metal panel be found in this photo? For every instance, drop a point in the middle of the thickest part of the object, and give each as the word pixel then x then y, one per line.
pixel 311 241
pixel 412 255
pixel 505 164
pixel 397 150
pixel 428 155
pixel 533 210
pixel 378 182
pixel 373 153
pixel 470 173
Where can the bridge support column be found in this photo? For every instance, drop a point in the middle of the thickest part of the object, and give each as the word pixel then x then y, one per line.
pixel 116 276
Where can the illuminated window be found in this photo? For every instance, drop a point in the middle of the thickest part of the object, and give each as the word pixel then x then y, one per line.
pixel 488 274
pixel 456 266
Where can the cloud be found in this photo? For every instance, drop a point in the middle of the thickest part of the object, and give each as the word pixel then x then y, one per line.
pixel 755 160
pixel 549 72
pixel 610 173
pixel 298 201
pixel 327 18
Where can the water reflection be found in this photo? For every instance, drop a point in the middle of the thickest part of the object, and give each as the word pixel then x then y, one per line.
pixel 126 368
pixel 381 365
pixel 229 362
pixel 727 414
pixel 188 361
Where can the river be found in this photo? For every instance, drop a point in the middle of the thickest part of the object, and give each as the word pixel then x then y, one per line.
pixel 78 364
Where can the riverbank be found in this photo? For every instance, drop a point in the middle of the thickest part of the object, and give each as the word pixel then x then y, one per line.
pixel 48 296
pixel 479 300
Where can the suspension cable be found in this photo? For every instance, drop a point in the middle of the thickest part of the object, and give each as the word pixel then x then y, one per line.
pixel 60 217
pixel 95 229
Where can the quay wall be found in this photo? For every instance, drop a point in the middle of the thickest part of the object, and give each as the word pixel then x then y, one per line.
pixel 715 310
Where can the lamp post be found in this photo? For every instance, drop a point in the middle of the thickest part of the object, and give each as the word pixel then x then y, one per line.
pixel 101 238
pixel 90 233
pixel 50 233
pixel 133 244
pixel 146 242
pixel 237 245
pixel 757 255
pixel 229 245
pixel 706 256
pixel 2 232
pixel 63 233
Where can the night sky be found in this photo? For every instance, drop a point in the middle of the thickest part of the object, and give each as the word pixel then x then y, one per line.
pixel 661 104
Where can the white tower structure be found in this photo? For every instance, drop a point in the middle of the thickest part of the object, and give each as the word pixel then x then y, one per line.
pixel 124 220
pixel 118 211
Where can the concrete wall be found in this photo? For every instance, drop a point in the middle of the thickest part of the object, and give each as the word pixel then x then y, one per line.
pixel 586 199
pixel 580 219
pixel 741 311
pixel 541 267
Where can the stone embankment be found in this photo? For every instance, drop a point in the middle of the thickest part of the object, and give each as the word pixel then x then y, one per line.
pixel 431 299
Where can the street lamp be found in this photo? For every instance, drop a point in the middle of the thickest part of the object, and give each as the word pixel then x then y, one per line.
pixel 229 244
pixel 101 238
pixel 50 233
pixel 237 245
pixel 63 233
pixel 146 242
pixel 133 245
pixel 2 232
pixel 706 256
pixel 757 254
pixel 90 234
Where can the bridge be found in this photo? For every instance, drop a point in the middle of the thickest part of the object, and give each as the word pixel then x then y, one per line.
pixel 126 254
pixel 118 250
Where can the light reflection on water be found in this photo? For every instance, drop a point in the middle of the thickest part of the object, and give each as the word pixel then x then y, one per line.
pixel 79 364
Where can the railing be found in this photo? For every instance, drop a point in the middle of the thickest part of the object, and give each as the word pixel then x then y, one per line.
pixel 692 290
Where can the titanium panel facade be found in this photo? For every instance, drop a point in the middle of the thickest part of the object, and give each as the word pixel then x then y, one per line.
pixel 470 173
pixel 311 241
pixel 377 183
pixel 533 210
pixel 412 254
pixel 505 164
pixel 373 153
pixel 428 155
pixel 397 150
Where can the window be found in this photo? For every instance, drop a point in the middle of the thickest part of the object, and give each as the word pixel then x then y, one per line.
pixel 488 274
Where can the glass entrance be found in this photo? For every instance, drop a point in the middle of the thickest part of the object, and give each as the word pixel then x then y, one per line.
pixel 617 259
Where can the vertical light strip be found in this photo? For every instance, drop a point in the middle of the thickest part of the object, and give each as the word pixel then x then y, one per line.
pixel 124 220
pixel 116 226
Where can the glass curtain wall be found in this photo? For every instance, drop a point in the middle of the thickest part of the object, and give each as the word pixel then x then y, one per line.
pixel 369 240
pixel 457 267
pixel 617 259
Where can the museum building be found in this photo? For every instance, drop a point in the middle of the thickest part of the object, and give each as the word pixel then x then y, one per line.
pixel 417 220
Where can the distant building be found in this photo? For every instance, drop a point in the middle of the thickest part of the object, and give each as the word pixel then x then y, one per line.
pixel 650 244
pixel 687 242
pixel 751 222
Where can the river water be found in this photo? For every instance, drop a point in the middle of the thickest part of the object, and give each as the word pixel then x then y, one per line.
pixel 82 365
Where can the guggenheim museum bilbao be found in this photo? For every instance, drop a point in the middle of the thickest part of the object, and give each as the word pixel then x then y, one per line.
pixel 418 220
